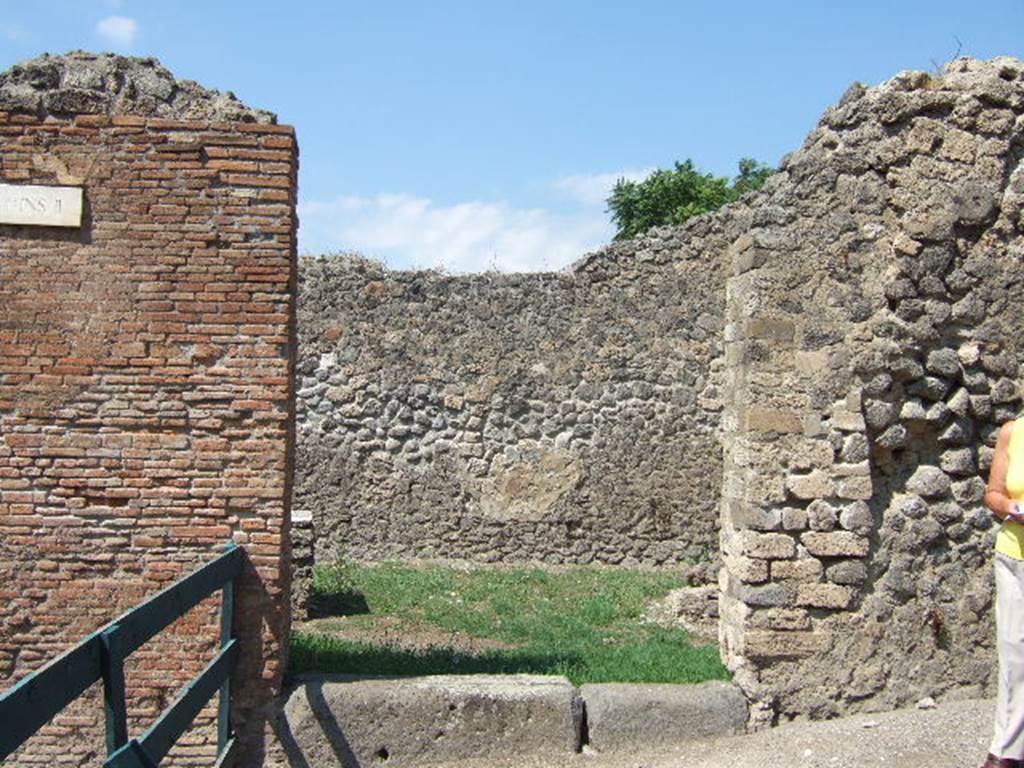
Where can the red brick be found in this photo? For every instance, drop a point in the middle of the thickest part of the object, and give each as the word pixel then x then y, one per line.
pixel 106 493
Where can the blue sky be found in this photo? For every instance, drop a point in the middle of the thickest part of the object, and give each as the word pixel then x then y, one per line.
pixel 475 135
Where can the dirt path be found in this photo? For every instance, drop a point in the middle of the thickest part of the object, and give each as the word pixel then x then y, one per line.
pixel 954 735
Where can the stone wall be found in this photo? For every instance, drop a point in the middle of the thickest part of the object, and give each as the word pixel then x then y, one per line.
pixel 562 418
pixel 873 347
pixel 145 384
pixel 869 352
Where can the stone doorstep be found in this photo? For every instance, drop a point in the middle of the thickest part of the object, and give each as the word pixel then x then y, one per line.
pixel 342 720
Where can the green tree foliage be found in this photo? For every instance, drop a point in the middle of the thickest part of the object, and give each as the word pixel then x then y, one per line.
pixel 671 197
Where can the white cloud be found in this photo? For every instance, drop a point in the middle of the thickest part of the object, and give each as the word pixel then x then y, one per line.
pixel 118 30
pixel 409 231
pixel 594 188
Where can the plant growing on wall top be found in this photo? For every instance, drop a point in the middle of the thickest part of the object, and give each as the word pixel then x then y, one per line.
pixel 672 197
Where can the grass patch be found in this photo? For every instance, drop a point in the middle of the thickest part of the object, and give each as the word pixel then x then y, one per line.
pixel 584 623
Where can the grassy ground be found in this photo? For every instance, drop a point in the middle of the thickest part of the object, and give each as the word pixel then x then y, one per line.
pixel 585 623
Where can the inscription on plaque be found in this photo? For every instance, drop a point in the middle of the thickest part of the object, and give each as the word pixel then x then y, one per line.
pixel 40 206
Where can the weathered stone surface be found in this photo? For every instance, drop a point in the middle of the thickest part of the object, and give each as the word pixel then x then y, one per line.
pixel 969 491
pixel 913 410
pixel 858 359
pixel 431 426
pixel 857 517
pixel 814 485
pixel 759 644
pixel 929 481
pixel 626 716
pixel 835 544
pixel 847 421
pixel 894 437
pixel 821 516
pixel 746 569
pixel 944 362
pixel 851 572
pixel 879 414
pixel 918 322
pixel 786 619
pixel 859 487
pixel 824 595
pixel 910 506
pixel 855 449
pixel 773 420
pixel 411 721
pixel 806 569
pixel 794 519
pixel 108 84
pixel 766 545
pixel 958 462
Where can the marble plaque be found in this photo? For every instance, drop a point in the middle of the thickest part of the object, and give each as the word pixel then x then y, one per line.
pixel 40 206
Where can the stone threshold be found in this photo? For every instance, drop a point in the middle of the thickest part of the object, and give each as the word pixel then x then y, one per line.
pixel 345 720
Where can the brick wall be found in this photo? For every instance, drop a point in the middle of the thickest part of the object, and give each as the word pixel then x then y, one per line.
pixel 146 415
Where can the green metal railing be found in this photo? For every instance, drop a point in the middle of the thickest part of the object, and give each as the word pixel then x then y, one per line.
pixel 33 702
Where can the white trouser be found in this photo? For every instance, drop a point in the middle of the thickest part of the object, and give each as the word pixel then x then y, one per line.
pixel 1008 740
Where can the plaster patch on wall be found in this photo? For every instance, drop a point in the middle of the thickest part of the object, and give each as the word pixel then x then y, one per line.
pixel 529 486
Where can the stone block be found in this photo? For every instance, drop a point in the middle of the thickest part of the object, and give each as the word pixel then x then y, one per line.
pixel 857 517
pixel 764 645
pixel 893 437
pixel 814 485
pixel 943 362
pixel 959 461
pixel 767 545
pixel 928 481
pixel 794 519
pixel 960 403
pixel 776 420
pixel 855 449
pixel 969 491
pixel 1005 391
pixel 847 421
pixel 851 572
pixel 981 406
pixel 938 414
pixel 824 595
pixel 960 432
pixel 340 721
pixel 835 544
pixel 786 619
pixel 861 469
pixel 913 410
pixel 811 362
pixel 752 516
pixel 880 414
pixel 778 329
pixel 809 454
pixel 910 506
pixel 747 569
pixel 630 717
pixel 821 516
pixel 805 569
pixel 760 595
pixel 860 487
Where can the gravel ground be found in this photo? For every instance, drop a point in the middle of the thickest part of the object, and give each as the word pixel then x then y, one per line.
pixel 953 735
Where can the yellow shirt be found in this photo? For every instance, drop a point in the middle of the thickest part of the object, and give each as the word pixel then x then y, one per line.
pixel 1010 540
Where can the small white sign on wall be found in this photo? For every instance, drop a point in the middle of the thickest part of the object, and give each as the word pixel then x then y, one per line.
pixel 40 206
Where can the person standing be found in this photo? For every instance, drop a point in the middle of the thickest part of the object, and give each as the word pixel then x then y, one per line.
pixel 1005 497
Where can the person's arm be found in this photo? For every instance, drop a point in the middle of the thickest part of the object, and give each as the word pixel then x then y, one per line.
pixel 996 495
